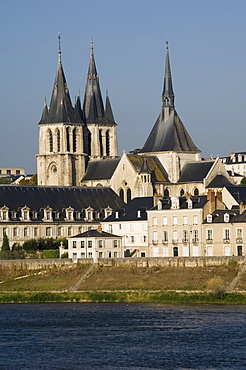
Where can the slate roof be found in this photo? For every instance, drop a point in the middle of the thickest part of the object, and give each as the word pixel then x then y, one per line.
pixel 219 181
pixel 198 201
pixel 238 192
pixel 38 198
pixel 234 216
pixel 130 210
pixel 158 173
pixel 93 233
pixel 101 170
pixel 195 172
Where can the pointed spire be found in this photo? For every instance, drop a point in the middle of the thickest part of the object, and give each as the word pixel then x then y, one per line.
pixel 168 94
pixel 93 87
pixel 108 113
pixel 45 112
pixel 145 167
pixel 61 109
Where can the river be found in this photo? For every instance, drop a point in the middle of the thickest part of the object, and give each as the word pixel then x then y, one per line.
pixel 122 336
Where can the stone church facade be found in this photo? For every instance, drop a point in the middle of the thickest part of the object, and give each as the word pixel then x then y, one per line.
pixel 78 146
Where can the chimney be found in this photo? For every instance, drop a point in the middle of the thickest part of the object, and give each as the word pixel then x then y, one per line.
pixel 219 196
pixel 99 228
pixel 241 208
pixel 157 197
pixel 211 198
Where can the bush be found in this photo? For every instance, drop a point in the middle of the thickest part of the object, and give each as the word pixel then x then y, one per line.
pixel 51 253
pixel 64 255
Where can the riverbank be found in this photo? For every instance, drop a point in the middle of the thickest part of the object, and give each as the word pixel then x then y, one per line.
pixel 219 297
pixel 224 284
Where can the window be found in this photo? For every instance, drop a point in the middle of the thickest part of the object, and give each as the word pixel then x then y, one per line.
pixel 116 214
pixel 90 255
pixel 185 220
pixel 175 252
pixel 196 191
pixel 51 141
pixel 15 231
pixel 144 238
pixel 138 214
pixel 175 236
pixel 35 231
pixel 25 231
pixel 107 144
pixel 100 143
pixel 164 221
pixel 115 243
pixel 74 256
pixel 25 215
pixel 131 239
pixel 8 172
pixel 67 137
pixel 69 231
pixel 195 220
pixel 226 217
pixel 74 244
pixel 89 243
pixel 17 172
pixel 48 231
pixel 82 255
pixel 209 218
pixel 226 234
pixel 115 254
pixel 181 192
pixel 239 233
pixel 48 215
pixel 155 237
pixel 82 244
pixel 185 236
pixel 100 243
pixel 121 194
pixel 154 221
pixel 175 220
pixel 4 231
pixel 166 193
pixel 100 254
pixel 195 236
pixel 110 228
pixel 59 231
pixel 165 237
pixel 209 235
pixel 74 140
pixel 58 140
pixel 128 195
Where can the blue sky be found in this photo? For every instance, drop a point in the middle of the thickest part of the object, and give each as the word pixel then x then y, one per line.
pixel 207 53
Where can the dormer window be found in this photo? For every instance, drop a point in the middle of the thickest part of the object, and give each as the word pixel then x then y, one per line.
pixel 174 202
pixel 4 213
pixel 226 217
pixel 138 214
pixel 108 211
pixel 48 214
pixel 89 214
pixel 159 205
pixel 14 214
pixel 25 214
pixel 116 214
pixel 57 215
pixel 209 218
pixel 69 214
pixel 35 214
pixel 189 201
pixel 78 215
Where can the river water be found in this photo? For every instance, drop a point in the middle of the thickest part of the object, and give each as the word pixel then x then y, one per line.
pixel 122 336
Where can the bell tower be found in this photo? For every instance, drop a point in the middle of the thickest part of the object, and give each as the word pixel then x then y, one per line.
pixel 61 158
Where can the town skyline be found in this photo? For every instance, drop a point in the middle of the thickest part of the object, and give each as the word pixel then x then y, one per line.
pixel 129 43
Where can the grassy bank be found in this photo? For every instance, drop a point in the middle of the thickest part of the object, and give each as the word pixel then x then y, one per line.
pixel 128 297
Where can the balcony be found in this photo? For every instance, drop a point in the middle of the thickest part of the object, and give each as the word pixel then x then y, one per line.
pixel 185 241
pixel 195 241
pixel 239 240
pixel 175 241
pixel 226 241
pixel 155 242
pixel 209 241
pixel 164 241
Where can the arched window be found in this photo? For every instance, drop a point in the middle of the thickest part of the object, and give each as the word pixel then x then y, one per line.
pixel 58 140
pixel 51 141
pixel 100 142
pixel 166 193
pixel 107 143
pixel 128 195
pixel 74 140
pixel 196 191
pixel 181 192
pixel 121 194
pixel 89 142
pixel 68 141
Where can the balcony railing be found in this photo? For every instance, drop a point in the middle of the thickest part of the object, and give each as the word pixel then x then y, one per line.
pixel 164 241
pixel 195 241
pixel 175 241
pixel 226 240
pixel 239 240
pixel 209 241
pixel 185 241
pixel 155 242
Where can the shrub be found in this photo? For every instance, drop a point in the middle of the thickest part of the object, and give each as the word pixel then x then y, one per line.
pixel 64 255
pixel 50 253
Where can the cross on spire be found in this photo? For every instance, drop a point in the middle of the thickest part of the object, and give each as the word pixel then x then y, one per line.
pixel 59 46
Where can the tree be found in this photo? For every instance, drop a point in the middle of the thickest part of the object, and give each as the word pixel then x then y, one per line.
pixel 243 181
pixel 5 245
pixel 135 151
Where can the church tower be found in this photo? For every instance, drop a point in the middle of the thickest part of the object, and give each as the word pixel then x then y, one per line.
pixel 101 136
pixel 61 158
pixel 169 140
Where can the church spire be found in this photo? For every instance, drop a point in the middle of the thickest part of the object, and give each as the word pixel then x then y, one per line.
pixel 61 109
pixel 168 94
pixel 92 88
